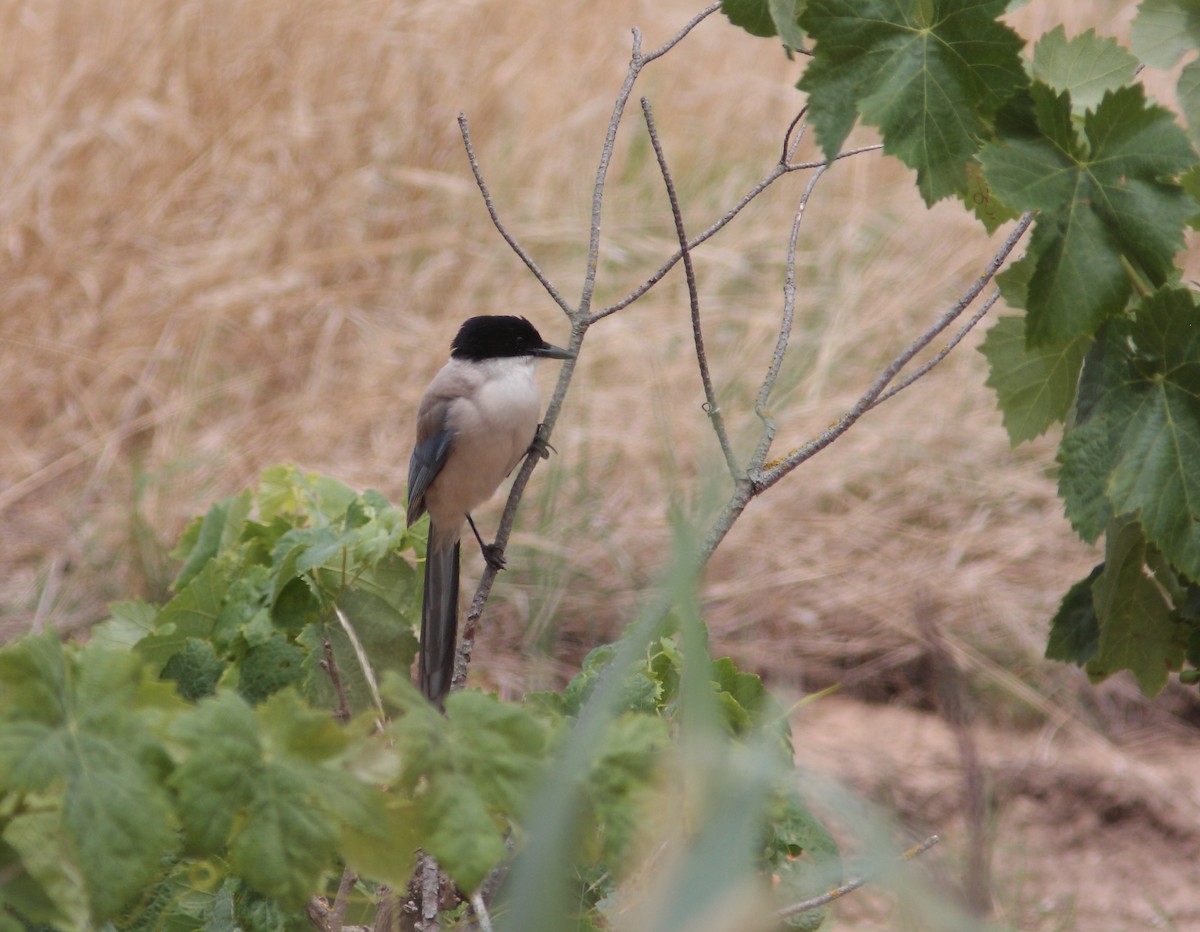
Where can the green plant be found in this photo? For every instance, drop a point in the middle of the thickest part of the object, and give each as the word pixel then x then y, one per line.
pixel 229 753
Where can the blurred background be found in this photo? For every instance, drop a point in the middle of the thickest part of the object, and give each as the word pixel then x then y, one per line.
pixel 238 234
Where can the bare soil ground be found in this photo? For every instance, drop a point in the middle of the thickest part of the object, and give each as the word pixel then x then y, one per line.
pixel 1084 833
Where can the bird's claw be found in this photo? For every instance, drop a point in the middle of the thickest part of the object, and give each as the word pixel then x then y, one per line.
pixel 493 555
pixel 540 446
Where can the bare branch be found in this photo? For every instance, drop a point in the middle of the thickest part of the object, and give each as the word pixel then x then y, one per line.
pixel 499 224
pixel 767 477
pixel 789 144
pixel 679 36
pixel 785 327
pixel 637 61
pixel 710 395
pixel 942 353
pixel 850 886
pixel 777 171
pixel 329 665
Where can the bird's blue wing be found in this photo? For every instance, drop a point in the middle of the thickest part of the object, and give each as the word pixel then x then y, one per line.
pixel 428 457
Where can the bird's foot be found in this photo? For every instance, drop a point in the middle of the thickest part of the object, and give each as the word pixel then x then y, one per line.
pixel 493 555
pixel 541 446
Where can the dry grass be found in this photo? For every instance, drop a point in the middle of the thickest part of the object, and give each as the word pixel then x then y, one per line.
pixel 224 228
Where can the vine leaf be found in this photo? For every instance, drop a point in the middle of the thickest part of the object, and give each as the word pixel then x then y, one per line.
pixel 928 75
pixel 1105 200
pixel 1075 629
pixel 266 785
pixel 1164 30
pixel 1085 66
pixel 79 731
pixel 1137 632
pixel 767 18
pixel 1137 437
pixel 1034 387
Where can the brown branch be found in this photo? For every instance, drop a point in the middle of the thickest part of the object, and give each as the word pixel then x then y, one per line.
pixel 329 665
pixel 770 475
pixel 710 395
pixel 785 326
pixel 777 171
pixel 516 247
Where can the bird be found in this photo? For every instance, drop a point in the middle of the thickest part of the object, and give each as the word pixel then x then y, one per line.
pixel 477 419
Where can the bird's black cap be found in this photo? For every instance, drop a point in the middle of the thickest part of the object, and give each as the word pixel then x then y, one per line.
pixel 497 336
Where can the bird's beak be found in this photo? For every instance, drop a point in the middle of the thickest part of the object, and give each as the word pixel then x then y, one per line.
pixel 546 351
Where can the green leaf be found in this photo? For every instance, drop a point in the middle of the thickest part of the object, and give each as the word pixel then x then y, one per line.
pixel 786 16
pixel 269 667
pixel 1085 66
pixel 41 883
pixel 216 776
pixel 1136 447
pixel 267 784
pixel 196 669
pixel 1137 632
pixel 84 722
pixel 1104 200
pixel 1075 629
pixel 460 831
pixel 472 769
pixel 928 75
pixel 803 856
pixel 754 16
pixel 221 527
pixel 499 745
pixel 1189 98
pixel 127 623
pixel 192 613
pixel 1034 387
pixel 1163 30
pixel 979 199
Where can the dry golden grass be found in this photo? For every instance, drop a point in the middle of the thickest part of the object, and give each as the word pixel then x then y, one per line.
pixel 225 228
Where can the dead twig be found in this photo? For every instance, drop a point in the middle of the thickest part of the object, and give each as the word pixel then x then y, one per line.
pixel 710 396
pixel 329 665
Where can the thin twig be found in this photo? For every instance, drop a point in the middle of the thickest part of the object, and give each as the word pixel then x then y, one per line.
pixel 768 476
pixel 516 247
pixel 777 171
pixel 679 36
pixel 942 353
pixel 710 395
pixel 761 479
pixel 785 327
pixel 789 144
pixel 329 665
pixel 850 886
pixel 637 61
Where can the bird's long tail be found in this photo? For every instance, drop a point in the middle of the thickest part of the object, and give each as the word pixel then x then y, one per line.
pixel 439 621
